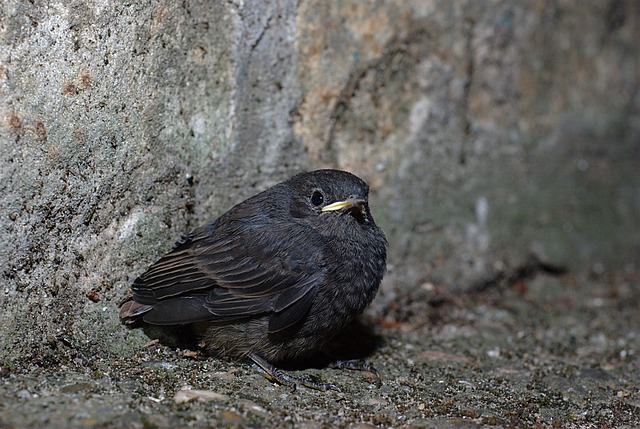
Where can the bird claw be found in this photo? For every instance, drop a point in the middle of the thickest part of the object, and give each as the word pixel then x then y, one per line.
pixel 355 365
pixel 313 382
pixel 358 365
pixel 276 375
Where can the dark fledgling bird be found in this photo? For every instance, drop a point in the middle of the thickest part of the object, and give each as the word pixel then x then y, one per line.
pixel 274 278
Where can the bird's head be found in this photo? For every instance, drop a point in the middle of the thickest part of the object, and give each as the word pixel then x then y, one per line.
pixel 330 194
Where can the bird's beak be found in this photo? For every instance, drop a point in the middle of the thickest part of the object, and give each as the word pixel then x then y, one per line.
pixel 347 205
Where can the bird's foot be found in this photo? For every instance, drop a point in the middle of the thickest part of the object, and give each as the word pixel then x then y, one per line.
pixel 276 375
pixel 357 365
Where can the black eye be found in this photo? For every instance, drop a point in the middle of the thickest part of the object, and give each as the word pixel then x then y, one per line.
pixel 317 198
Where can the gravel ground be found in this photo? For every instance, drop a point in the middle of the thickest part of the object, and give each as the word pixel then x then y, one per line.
pixel 550 351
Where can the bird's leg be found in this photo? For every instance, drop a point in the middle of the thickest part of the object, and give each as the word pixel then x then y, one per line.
pixel 276 375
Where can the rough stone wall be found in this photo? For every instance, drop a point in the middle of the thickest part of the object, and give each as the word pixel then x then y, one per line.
pixel 489 132
pixel 499 136
pixel 122 127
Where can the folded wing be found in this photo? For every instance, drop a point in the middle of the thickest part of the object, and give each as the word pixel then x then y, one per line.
pixel 229 273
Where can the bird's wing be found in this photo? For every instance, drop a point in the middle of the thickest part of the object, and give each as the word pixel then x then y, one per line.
pixel 230 272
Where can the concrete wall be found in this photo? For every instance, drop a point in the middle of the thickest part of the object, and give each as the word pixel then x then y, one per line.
pixel 493 134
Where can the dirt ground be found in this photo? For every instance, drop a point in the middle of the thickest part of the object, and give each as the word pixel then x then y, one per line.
pixel 552 351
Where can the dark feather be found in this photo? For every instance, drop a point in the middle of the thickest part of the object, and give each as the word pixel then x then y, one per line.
pixel 177 311
pixel 275 277
pixel 229 273
pixel 292 305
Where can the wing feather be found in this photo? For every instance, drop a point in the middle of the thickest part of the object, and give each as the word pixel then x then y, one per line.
pixel 225 273
pixel 292 305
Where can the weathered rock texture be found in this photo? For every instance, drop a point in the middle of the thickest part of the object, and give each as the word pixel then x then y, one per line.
pixel 493 134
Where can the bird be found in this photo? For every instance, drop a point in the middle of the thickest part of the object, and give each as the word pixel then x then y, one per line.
pixel 274 278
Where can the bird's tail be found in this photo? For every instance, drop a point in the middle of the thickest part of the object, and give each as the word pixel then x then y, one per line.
pixel 131 311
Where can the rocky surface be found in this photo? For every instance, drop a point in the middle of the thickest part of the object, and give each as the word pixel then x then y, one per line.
pixel 501 141
pixel 549 352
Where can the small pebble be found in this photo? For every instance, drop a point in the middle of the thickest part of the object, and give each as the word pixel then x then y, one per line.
pixel 186 394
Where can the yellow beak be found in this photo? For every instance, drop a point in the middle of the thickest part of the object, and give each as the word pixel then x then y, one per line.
pixel 351 203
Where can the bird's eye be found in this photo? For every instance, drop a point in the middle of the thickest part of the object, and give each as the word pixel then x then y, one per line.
pixel 317 198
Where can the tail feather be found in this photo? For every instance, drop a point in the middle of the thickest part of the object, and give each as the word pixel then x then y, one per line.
pixel 131 311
